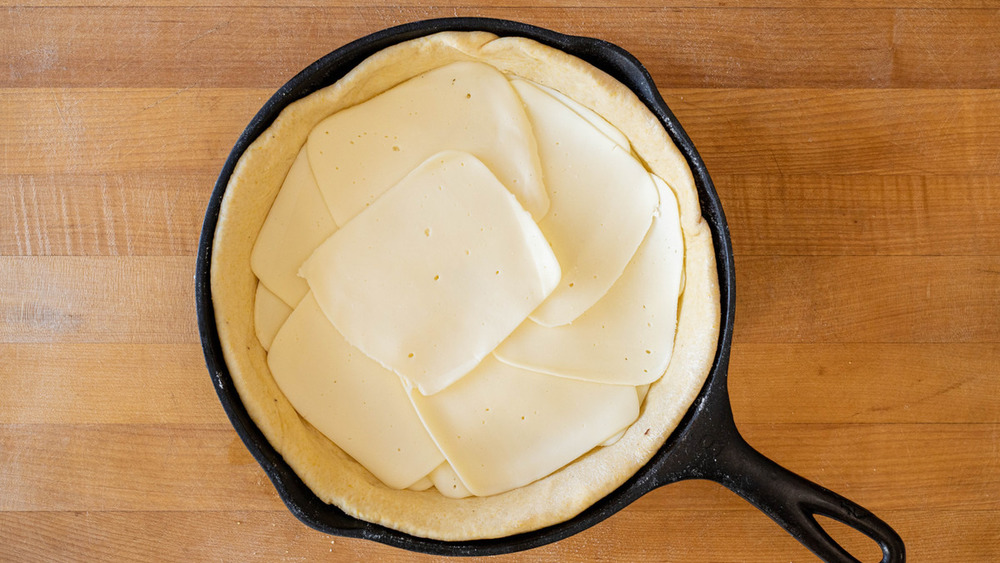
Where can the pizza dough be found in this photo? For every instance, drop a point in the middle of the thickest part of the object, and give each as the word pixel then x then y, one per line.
pixel 332 474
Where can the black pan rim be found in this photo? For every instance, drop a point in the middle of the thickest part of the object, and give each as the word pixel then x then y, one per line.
pixel 297 497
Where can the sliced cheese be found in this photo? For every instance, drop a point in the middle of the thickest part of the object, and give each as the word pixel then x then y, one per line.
pixel 358 404
pixel 360 152
pixel 502 427
pixel 436 273
pixel 628 336
pixel 642 390
pixel 601 204
pixel 297 223
pixel 269 313
pixel 423 484
pixel 611 441
pixel 447 482
pixel 590 115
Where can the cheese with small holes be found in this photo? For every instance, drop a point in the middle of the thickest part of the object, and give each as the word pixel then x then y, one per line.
pixel 360 152
pixel 491 278
pixel 446 481
pixel 627 337
pixel 436 273
pixel 502 427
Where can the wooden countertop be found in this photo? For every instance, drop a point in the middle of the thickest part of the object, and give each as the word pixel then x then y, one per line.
pixel 856 149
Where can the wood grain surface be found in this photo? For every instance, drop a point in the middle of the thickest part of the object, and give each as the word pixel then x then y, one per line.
pixel 855 145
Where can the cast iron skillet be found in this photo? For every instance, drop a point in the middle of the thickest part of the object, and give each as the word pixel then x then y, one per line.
pixel 706 443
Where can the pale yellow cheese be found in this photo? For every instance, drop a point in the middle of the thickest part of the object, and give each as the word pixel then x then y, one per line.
pixel 437 262
pixel 269 313
pixel 447 482
pixel 601 204
pixel 360 152
pixel 627 337
pixel 297 222
pixel 611 441
pixel 502 427
pixel 642 390
pixel 434 274
pixel 590 115
pixel 423 484
pixel 352 400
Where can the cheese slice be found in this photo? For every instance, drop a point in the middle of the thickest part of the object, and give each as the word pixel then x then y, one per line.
pixel 423 484
pixel 642 390
pixel 628 336
pixel 447 482
pixel 611 441
pixel 601 204
pixel 436 273
pixel 502 427
pixel 358 404
pixel 269 313
pixel 590 115
pixel 360 152
pixel 297 223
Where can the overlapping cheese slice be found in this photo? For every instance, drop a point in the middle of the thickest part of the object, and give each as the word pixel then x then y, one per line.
pixel 423 484
pixel 269 313
pixel 590 115
pixel 627 337
pixel 601 204
pixel 347 396
pixel 297 223
pixel 360 152
pixel 436 273
pixel 412 349
pixel 502 427
pixel 447 482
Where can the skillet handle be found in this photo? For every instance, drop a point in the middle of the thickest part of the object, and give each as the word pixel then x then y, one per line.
pixel 711 447
pixel 793 502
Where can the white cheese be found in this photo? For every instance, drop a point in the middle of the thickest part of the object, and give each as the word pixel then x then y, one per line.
pixel 360 152
pixel 358 404
pixel 412 348
pixel 611 441
pixel 502 427
pixel 642 390
pixel 434 274
pixel 628 336
pixel 297 223
pixel 446 481
pixel 423 484
pixel 601 204
pixel 590 115
pixel 269 313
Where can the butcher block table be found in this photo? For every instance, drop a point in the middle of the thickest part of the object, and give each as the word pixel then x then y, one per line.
pixel 856 149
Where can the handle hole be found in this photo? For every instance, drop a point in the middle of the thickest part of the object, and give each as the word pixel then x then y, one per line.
pixel 862 547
